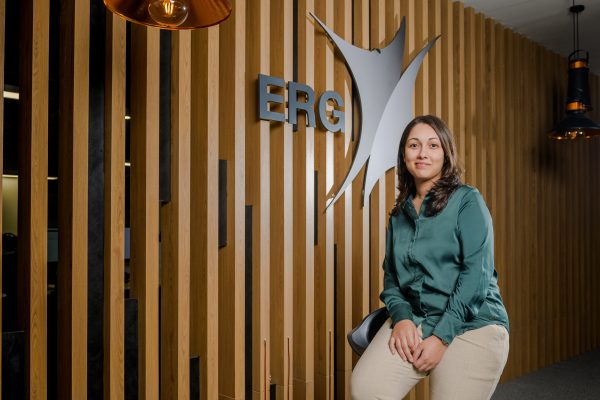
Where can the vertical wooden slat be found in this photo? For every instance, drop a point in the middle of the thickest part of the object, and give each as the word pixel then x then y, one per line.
pixel 232 256
pixel 509 190
pixel 419 31
pixel 514 212
pixel 447 56
pixel 33 192
pixel 324 257
pixel 258 195
pixel 545 287
pixel 175 230
pixel 470 144
pixel 555 232
pixel 377 197
pixel 114 209
pixel 458 13
pixel 489 122
pixel 343 213
pixel 524 181
pixel 434 26
pixel 2 19
pixel 304 212
pixel 281 173
pixel 73 200
pixel 500 227
pixel 360 211
pixel 144 214
pixel 392 24
pixel 204 179
pixel 535 255
pixel 480 108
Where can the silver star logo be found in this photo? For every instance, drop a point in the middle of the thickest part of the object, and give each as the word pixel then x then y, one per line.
pixel 385 98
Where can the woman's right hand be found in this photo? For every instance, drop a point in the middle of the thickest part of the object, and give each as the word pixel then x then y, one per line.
pixel 404 339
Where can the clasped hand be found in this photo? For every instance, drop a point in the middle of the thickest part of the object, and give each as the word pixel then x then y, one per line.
pixel 424 355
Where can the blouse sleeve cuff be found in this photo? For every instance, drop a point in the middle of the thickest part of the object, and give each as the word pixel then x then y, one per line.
pixel 400 312
pixel 447 328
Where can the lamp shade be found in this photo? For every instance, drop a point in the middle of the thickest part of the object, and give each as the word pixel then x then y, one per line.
pixel 576 125
pixel 172 14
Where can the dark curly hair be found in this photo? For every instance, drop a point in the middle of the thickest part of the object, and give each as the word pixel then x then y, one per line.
pixel 451 171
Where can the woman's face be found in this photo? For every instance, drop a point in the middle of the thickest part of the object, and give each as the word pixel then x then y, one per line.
pixel 423 154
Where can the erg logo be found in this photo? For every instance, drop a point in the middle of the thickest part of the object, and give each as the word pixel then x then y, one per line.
pixel 385 98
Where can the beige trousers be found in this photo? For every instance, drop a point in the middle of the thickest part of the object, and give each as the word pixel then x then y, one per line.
pixel 469 370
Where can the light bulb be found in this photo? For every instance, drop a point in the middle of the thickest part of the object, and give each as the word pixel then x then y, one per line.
pixel 168 12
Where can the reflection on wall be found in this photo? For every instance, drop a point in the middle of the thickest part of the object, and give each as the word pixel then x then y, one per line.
pixel 10 191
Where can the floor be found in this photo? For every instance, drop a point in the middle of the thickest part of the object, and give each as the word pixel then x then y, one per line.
pixel 575 378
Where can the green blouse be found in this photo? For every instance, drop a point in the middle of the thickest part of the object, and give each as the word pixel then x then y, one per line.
pixel 439 270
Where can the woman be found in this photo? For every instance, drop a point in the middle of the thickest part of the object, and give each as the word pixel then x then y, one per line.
pixel 447 319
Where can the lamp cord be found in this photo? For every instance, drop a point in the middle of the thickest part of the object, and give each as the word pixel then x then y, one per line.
pixel 577 22
pixel 574 40
pixel 575 13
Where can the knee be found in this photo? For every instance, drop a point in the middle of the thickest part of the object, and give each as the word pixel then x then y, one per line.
pixel 361 387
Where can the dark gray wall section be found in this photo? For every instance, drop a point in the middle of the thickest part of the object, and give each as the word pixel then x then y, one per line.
pixel 222 203
pixel 13 365
pixel 96 199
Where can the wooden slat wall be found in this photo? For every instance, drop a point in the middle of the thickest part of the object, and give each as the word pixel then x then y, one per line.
pixel 2 19
pixel 114 210
pixel 231 134
pixel 303 223
pixel 343 212
pixel 73 197
pixel 204 178
pixel 378 218
pixel 360 213
pixel 324 248
pixel 258 195
pixel 144 145
pixel 281 208
pixel 314 272
pixel 33 193
pixel 175 233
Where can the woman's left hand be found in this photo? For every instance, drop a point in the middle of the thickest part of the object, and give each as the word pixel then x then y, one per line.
pixel 429 353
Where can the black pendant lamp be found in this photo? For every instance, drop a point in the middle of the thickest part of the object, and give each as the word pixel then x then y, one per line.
pixel 172 14
pixel 576 124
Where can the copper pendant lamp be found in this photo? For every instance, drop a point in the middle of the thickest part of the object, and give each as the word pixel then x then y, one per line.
pixel 576 124
pixel 172 14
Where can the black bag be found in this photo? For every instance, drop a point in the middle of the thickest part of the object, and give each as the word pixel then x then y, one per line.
pixel 360 337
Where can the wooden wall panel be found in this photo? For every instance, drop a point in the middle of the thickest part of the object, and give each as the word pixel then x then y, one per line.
pixel 434 25
pixel 447 58
pixel 2 30
pixel 500 225
pixel 315 272
pixel 144 144
pixel 281 175
pixel 175 233
pixel 258 195
pixel 114 210
pixel 73 197
pixel 2 21
pixel 392 24
pixel 342 213
pixel 360 211
pixel 324 249
pixel 459 126
pixel 232 256
pixel 204 179
pixel 304 220
pixel 377 198
pixel 33 193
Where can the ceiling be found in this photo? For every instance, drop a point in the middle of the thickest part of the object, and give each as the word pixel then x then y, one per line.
pixel 548 22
